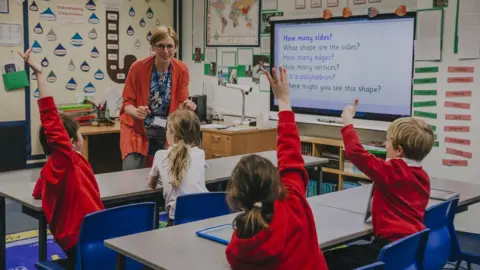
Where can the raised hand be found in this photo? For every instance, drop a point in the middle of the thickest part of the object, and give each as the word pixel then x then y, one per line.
pixel 349 112
pixel 34 65
pixel 280 87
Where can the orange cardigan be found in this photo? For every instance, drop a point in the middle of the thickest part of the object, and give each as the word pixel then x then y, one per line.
pixel 133 138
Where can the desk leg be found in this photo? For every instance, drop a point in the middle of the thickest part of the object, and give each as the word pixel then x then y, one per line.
pixel 156 216
pixel 85 147
pixel 42 239
pixel 3 232
pixel 121 262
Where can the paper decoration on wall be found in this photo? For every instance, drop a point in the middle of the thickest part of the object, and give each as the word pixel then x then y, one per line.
pixel 89 88
pixel 71 85
pixel 158 22
pixel 142 23
pixel 465 129
pixel 130 31
pixel 38 29
pixel 60 50
pixel 327 14
pixel 44 62
pixel 71 65
pixel 77 40
pixel 36 47
pixel 149 13
pixel 460 80
pixel 372 12
pixel 99 75
pixel 461 93
pixel 93 19
pixel 149 35
pixel 51 36
pixel 347 12
pixel 454 69
pixel 453 162
pixel 116 74
pixel 33 6
pixel 401 10
pixel 90 5
pixel 36 94
pixel 34 76
pixel 457 141
pixel 459 153
pixel 51 78
pixel 84 66
pixel 457 105
pixel 131 12
pixel 138 45
pixel 94 53
pixel 92 34
pixel 48 15
pixel 458 117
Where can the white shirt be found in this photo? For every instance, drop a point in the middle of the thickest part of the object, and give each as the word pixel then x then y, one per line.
pixel 193 180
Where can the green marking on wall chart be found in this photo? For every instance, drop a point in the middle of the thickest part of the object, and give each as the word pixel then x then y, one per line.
pixel 434 128
pixel 426 70
pixel 425 114
pixel 430 103
pixel 424 92
pixel 424 80
pixel 436 144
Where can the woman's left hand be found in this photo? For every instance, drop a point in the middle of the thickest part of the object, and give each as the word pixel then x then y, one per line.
pixel 189 104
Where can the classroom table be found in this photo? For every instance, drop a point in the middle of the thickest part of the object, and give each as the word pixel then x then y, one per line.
pixel 115 189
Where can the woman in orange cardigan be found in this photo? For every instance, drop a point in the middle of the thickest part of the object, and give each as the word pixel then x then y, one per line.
pixel 156 86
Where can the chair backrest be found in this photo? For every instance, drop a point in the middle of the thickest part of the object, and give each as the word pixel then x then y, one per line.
pixel 198 206
pixel 111 223
pixel 373 266
pixel 439 219
pixel 406 253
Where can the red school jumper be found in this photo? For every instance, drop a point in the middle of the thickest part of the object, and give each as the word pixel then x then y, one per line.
pixel 291 241
pixel 402 189
pixel 67 185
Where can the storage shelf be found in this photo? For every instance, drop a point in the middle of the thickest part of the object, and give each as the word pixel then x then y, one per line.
pixel 335 171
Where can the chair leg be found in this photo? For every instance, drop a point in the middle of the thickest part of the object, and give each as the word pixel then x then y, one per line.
pixel 457 266
pixel 469 266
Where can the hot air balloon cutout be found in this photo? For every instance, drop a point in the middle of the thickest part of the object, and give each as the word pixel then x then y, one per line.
pixel 34 76
pixel 36 94
pixel 131 12
pixel 130 31
pixel 60 50
pixel 149 13
pixel 372 12
pixel 51 36
pixel 89 89
pixel 44 62
pixel 84 66
pixel 92 34
pixel 48 15
pixel 142 23
pixel 33 6
pixel 158 22
pixel 71 84
pixel 90 5
pixel 347 12
pixel 71 65
pixel 51 78
pixel 138 45
pixel 36 47
pixel 94 53
pixel 38 29
pixel 99 75
pixel 149 35
pixel 93 19
pixel 77 40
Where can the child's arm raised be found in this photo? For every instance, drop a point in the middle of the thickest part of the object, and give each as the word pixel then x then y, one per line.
pixel 290 161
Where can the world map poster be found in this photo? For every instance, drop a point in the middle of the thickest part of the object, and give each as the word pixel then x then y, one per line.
pixel 233 23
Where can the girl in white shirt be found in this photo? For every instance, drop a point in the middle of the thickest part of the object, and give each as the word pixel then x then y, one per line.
pixel 181 168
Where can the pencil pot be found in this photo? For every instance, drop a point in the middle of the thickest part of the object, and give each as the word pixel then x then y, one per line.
pixel 105 114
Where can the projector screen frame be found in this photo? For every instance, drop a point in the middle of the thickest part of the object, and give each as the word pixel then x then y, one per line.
pixel 337 113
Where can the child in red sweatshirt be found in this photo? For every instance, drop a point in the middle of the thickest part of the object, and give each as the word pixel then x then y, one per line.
pixel 276 229
pixel 67 185
pixel 401 186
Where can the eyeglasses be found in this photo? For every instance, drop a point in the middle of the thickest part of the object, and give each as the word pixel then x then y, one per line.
pixel 162 47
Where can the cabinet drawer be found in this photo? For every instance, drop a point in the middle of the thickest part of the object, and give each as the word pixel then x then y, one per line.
pixel 215 154
pixel 217 142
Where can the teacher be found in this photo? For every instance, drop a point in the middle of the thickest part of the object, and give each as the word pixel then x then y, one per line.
pixel 155 87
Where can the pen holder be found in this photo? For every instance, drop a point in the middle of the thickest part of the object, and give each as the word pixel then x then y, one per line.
pixel 105 114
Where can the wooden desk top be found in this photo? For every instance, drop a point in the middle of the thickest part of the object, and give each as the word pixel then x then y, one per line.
pixel 91 130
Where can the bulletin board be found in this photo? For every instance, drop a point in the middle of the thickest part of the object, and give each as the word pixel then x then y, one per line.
pixel 86 47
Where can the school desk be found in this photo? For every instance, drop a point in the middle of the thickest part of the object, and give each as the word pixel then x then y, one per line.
pixel 115 188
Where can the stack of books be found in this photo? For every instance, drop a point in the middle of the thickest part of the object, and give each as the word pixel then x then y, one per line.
pixel 83 113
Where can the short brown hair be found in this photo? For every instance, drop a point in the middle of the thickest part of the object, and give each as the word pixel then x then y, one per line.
pixel 254 180
pixel 71 126
pixel 414 135
pixel 162 32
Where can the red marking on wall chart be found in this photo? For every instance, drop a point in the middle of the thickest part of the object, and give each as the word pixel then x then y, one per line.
pixel 460 79
pixel 462 117
pixel 457 105
pixel 453 162
pixel 457 141
pixel 459 153
pixel 461 93
pixel 456 129
pixel 461 69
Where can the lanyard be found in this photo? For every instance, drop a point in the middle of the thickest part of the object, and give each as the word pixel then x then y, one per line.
pixel 162 83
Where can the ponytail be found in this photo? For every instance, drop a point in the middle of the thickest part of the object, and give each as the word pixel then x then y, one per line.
pixel 178 162
pixel 253 220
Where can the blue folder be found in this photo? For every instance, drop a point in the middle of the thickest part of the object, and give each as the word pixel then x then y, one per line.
pixel 220 234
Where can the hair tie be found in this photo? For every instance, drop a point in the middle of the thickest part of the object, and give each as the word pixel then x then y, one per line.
pixel 258 205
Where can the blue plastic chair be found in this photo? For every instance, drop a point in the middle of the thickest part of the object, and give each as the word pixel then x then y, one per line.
pixel 439 219
pixel 198 206
pixel 406 253
pixel 107 224
pixel 373 266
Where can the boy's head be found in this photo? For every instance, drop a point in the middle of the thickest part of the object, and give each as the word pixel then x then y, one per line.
pixel 253 188
pixel 73 129
pixel 410 138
